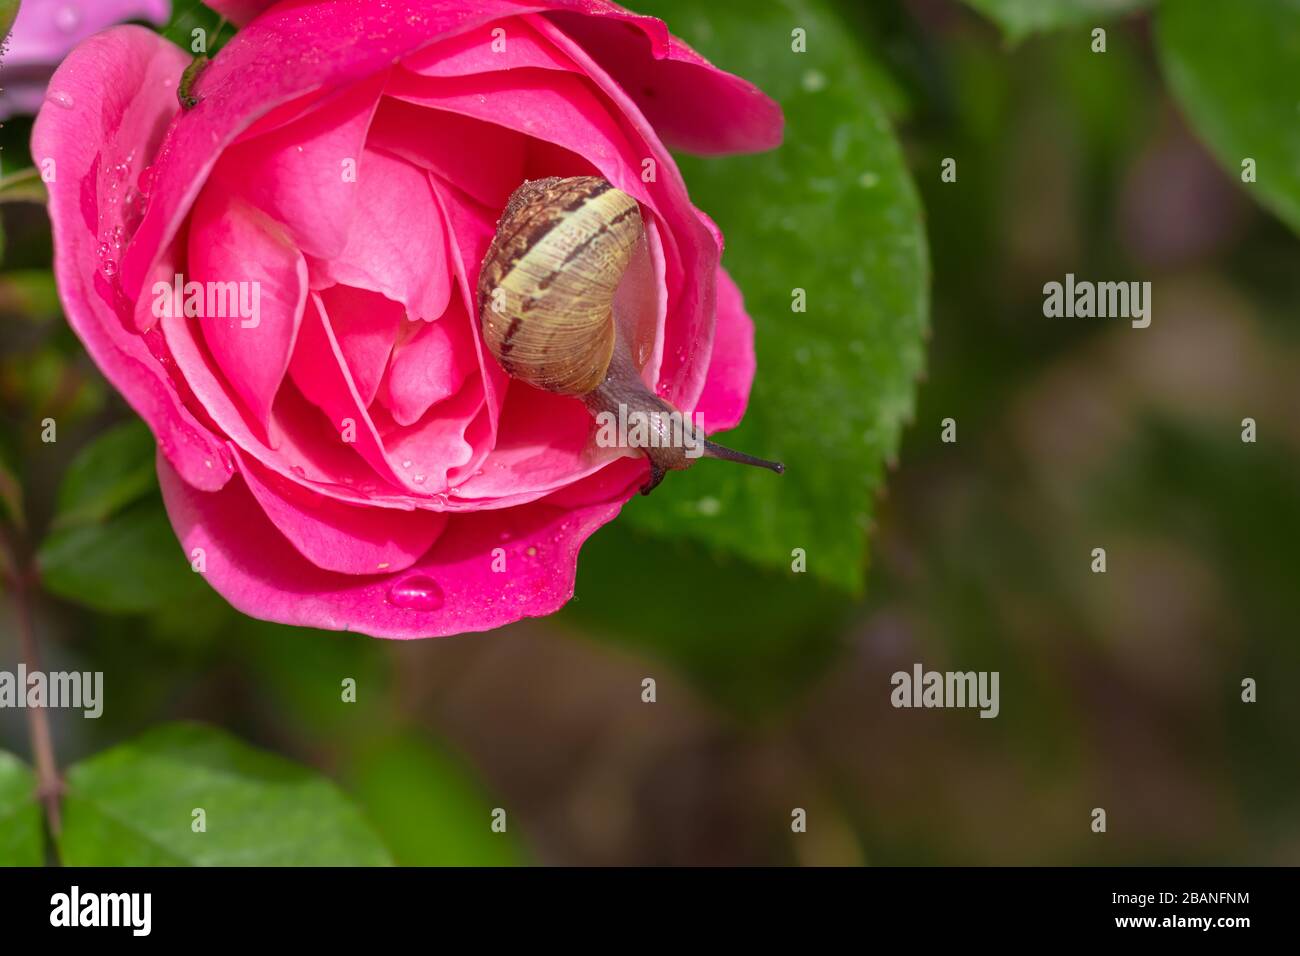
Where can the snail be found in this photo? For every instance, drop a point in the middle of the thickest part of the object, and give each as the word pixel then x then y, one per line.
pixel 546 308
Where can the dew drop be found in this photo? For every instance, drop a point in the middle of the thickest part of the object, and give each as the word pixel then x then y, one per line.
pixel 61 98
pixel 109 268
pixel 416 593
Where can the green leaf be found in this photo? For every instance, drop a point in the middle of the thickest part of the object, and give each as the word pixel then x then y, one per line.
pixel 111 472
pixel 1234 69
pixel 188 17
pixel 428 808
pixel 134 805
pixel 110 545
pixel 833 211
pixel 128 564
pixel 20 815
pixel 1019 18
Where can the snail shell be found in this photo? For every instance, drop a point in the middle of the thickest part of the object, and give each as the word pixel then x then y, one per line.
pixel 546 288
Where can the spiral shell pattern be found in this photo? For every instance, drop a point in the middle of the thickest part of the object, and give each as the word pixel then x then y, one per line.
pixel 547 284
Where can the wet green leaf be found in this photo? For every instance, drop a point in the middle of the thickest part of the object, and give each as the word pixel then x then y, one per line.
pixel 134 805
pixel 110 545
pixel 833 212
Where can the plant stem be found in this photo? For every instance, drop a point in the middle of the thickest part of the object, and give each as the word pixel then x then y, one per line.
pixel 25 185
pixel 49 786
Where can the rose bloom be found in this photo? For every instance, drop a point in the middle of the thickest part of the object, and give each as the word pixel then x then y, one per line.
pixel 347 454
pixel 44 32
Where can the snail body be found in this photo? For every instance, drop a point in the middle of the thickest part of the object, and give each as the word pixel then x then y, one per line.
pixel 545 302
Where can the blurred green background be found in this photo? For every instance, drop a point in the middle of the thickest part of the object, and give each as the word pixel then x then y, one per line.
pixel 1119 690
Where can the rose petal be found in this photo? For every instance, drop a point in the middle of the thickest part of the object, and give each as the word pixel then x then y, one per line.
pixel 545 442
pixel 731 366
pixel 233 243
pixel 300 442
pixel 503 45
pixel 692 104
pixel 350 539
pixel 119 104
pixel 366 325
pixel 481 158
pixel 291 50
pixel 426 451
pixel 305 173
pixel 255 568
pixel 240 12
pixel 320 371
pixel 397 244
pixel 430 366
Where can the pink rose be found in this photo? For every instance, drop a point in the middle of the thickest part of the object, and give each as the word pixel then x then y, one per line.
pixel 351 457
pixel 46 30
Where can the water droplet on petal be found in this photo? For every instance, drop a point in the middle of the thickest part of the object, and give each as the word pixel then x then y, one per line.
pixel 109 268
pixel 416 593
pixel 60 98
